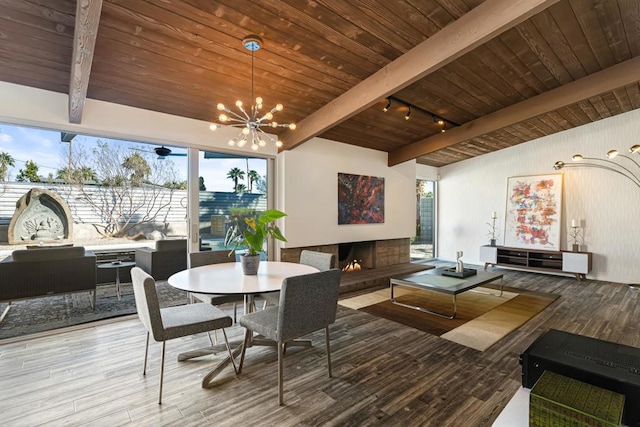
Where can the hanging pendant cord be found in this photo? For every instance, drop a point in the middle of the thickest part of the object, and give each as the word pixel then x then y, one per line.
pixel 252 97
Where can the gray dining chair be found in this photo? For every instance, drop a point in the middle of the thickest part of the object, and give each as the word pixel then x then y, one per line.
pixel 198 259
pixel 173 322
pixel 307 304
pixel 321 260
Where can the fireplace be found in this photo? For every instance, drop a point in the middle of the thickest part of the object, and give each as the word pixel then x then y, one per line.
pixel 356 255
pixel 369 254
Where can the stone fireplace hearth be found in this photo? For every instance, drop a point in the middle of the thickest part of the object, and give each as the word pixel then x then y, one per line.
pixel 369 254
pixel 380 260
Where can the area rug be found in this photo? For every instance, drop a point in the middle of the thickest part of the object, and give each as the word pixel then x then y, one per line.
pixel 482 319
pixel 60 311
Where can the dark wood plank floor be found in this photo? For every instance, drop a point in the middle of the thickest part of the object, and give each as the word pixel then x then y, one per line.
pixel 384 373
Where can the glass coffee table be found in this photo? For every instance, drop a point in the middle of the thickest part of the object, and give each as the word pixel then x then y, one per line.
pixel 433 280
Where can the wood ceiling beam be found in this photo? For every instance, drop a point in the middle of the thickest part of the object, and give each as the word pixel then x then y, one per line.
pixel 614 77
pixel 84 42
pixel 476 27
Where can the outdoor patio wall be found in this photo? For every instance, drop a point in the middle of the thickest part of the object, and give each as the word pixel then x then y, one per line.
pixel 308 193
pixel 607 204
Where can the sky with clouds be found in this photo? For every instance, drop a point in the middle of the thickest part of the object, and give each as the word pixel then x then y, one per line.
pixel 50 154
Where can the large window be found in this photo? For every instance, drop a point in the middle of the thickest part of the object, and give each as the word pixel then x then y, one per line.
pixel 423 245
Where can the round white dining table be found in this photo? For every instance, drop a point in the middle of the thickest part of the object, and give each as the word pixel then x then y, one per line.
pixel 228 278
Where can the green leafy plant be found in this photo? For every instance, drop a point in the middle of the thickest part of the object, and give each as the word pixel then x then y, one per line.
pixel 254 230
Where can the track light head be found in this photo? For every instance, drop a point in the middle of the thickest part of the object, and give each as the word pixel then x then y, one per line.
pixel 386 107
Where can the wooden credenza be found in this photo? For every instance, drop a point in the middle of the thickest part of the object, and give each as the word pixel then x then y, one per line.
pixel 577 263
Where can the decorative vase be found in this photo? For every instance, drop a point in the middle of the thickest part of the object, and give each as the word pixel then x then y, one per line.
pixel 576 247
pixel 493 242
pixel 250 264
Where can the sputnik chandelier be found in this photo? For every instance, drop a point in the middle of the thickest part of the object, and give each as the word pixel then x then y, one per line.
pixel 252 120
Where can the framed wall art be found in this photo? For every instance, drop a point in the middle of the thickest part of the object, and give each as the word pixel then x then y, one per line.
pixel 534 210
pixel 360 199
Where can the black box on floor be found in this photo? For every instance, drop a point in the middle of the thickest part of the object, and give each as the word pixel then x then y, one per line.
pixel 604 364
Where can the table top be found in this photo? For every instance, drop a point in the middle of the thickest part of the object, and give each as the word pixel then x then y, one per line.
pixel 117 265
pixel 434 280
pixel 228 278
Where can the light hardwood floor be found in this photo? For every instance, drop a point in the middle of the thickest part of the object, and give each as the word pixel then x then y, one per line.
pixel 384 373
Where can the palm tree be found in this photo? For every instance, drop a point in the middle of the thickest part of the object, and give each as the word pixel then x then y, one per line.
pixel 235 174
pixel 5 161
pixel 241 188
pixel 252 177
pixel 139 168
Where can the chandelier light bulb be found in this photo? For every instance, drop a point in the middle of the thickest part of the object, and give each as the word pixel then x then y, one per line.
pixel 259 100
pixel 231 142
pixel 279 143
pixel 239 103
pixel 577 157
pixel 262 143
pixel 612 154
pixel 269 115
pixel 292 126
pixel 221 106
pixel 279 107
pixel 274 124
pixel 246 131
pixel 213 126
pixel 242 142
pixel 254 147
pixel 223 118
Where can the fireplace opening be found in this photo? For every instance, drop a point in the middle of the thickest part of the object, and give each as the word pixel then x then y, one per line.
pixel 356 256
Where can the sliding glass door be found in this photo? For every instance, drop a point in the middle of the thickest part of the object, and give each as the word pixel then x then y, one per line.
pixel 227 186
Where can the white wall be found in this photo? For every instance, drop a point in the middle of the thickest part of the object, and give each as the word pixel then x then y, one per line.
pixel 309 193
pixel 607 204
pixel 28 106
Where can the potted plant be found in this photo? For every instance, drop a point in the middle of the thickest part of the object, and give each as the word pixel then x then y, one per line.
pixel 251 231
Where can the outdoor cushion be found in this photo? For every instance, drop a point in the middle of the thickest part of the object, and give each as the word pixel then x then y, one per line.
pixel 47 254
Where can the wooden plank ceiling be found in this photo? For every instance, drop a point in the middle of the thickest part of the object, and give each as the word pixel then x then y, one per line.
pixel 182 57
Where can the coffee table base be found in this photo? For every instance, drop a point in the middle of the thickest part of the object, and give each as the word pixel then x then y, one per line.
pixel 436 313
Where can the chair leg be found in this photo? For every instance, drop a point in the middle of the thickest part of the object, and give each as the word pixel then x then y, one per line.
pixel 326 337
pixel 235 313
pixel 280 373
pixel 247 335
pixel 146 352
pixel 226 341
pixel 161 373
pixel 210 339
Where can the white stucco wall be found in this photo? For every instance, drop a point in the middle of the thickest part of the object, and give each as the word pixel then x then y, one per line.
pixel 309 193
pixel 606 203
pixel 28 106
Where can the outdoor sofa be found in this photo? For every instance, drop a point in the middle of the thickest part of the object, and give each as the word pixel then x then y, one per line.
pixel 38 272
pixel 169 256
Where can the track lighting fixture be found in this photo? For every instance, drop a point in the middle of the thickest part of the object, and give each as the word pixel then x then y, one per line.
pixel 437 120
